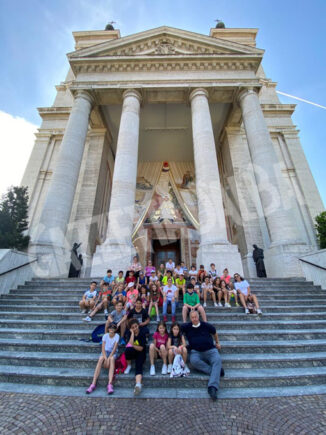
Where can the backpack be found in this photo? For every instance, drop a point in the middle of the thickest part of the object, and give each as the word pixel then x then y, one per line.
pixel 179 368
pixel 251 307
pixel 120 364
pixel 98 333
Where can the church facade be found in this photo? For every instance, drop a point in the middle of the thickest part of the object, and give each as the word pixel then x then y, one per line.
pixel 169 144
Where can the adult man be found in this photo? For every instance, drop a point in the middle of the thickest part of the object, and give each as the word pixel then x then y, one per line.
pixel 258 257
pixel 204 355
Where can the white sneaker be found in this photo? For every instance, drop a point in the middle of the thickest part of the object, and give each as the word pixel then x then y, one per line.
pixel 84 311
pixel 246 311
pixel 137 389
pixel 204 305
pixel 164 369
pixel 215 304
pixel 227 305
pixel 259 311
pixel 169 368
pixel 87 319
pixel 106 312
pixel 127 371
pixel 152 371
pixel 187 370
pixel 158 318
pixel 220 305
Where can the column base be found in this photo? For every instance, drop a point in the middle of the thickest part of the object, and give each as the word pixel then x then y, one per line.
pixel 113 256
pixel 52 261
pixel 282 260
pixel 223 256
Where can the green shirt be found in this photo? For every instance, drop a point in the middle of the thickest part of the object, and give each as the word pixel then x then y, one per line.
pixel 191 299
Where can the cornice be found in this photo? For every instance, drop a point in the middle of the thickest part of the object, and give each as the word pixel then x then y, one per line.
pixel 278 109
pixel 54 112
pixel 169 63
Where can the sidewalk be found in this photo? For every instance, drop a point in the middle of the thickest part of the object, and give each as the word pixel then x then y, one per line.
pixel 28 413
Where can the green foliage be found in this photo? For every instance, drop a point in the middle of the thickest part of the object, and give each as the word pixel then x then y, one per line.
pixel 321 229
pixel 13 219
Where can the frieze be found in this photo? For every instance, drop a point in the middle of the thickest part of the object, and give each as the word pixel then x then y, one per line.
pixel 164 66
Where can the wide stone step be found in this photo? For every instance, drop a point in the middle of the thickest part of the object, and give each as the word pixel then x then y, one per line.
pixel 230 361
pixel 252 323
pixel 163 393
pixel 225 335
pixel 245 378
pixel 77 295
pixel 222 315
pixel 228 347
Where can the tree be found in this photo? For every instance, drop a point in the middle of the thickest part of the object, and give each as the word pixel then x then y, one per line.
pixel 13 219
pixel 321 229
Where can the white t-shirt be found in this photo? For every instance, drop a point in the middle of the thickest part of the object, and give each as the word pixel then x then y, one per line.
pixel 208 286
pixel 89 294
pixel 212 273
pixel 169 291
pixel 170 266
pixel 242 286
pixel 178 271
pixel 193 273
pixel 110 342
pixel 153 278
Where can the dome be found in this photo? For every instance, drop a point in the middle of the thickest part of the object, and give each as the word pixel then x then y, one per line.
pixel 109 27
pixel 220 25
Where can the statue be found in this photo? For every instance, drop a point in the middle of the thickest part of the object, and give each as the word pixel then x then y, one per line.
pixel 258 256
pixel 76 262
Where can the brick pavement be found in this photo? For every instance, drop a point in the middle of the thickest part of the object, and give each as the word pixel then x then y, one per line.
pixel 28 413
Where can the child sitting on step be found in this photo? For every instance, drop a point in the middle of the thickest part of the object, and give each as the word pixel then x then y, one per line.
pixel 107 358
pixel 176 345
pixel 158 349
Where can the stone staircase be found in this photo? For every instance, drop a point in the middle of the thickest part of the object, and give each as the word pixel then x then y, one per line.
pixel 281 353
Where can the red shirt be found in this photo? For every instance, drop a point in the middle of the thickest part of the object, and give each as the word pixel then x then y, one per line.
pixel 160 340
pixel 227 279
pixel 130 279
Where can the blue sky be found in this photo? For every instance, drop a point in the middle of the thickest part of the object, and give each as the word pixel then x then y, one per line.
pixel 35 36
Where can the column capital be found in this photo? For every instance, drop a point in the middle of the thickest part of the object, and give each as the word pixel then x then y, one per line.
pixel 198 92
pixel 82 93
pixel 246 91
pixel 132 93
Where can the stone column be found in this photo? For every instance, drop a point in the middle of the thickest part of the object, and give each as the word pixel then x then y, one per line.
pixel 50 238
pixel 286 243
pixel 117 250
pixel 214 246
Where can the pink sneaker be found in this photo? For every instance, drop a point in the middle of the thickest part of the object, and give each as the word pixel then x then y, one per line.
pixel 110 389
pixel 90 389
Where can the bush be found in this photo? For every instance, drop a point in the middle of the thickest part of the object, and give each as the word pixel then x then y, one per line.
pixel 321 229
pixel 13 219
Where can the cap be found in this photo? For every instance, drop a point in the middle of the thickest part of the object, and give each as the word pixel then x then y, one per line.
pixel 131 284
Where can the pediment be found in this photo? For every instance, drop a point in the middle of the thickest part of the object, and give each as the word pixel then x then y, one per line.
pixel 165 41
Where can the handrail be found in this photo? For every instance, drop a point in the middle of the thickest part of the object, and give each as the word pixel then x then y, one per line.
pixel 313 264
pixel 18 267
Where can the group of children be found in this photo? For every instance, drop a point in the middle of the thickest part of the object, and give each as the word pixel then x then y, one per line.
pixel 140 295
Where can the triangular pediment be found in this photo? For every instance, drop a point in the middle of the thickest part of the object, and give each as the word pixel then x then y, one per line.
pixel 165 41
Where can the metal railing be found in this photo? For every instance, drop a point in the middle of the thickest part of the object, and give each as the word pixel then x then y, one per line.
pixel 313 264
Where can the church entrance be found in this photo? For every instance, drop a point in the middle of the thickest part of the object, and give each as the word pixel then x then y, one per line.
pixel 163 250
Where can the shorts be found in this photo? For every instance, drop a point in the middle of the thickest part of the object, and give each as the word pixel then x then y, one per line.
pixel 189 310
pixel 107 353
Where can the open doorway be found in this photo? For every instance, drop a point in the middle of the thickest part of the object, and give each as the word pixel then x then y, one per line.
pixel 163 250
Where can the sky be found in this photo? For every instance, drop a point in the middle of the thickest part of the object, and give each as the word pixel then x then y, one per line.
pixel 35 36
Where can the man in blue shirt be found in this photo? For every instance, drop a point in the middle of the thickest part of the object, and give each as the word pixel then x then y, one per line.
pixel 108 278
pixel 204 355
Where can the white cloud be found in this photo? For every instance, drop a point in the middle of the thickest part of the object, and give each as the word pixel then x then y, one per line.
pixel 16 143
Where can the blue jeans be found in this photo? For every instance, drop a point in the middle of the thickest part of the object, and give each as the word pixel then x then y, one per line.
pixel 208 362
pixel 165 307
